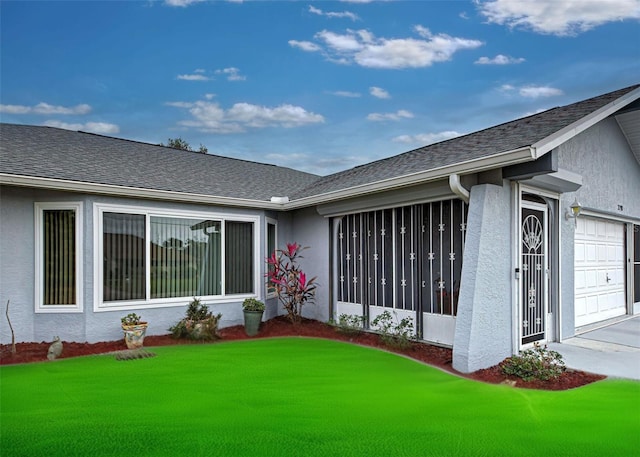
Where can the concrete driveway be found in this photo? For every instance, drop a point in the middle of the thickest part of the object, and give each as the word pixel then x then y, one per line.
pixel 613 350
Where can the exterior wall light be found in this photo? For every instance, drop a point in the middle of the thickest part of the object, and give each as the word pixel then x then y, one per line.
pixel 573 211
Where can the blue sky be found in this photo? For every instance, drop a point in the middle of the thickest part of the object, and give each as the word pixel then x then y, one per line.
pixel 317 86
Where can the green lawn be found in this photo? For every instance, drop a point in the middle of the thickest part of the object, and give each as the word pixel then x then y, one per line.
pixel 299 397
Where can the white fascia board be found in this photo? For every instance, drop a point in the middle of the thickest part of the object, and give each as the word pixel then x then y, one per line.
pixel 502 159
pixel 133 192
pixel 554 140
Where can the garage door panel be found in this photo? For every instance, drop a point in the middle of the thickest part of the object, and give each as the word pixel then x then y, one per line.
pixel 599 270
pixel 581 306
pixel 618 277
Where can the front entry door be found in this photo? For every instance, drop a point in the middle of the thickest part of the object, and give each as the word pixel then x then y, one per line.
pixel 533 291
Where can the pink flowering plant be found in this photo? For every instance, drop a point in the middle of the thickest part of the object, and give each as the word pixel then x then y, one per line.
pixel 291 284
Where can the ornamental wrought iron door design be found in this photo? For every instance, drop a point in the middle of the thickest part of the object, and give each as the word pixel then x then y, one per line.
pixel 533 293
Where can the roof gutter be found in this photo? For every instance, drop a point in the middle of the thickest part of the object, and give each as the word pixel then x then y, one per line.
pixel 519 155
pixel 457 188
pixel 136 192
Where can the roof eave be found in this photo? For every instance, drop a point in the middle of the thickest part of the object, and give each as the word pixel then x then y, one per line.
pixel 502 159
pixel 133 192
pixel 554 140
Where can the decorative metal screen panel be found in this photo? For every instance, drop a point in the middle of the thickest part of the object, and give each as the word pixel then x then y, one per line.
pixel 407 258
pixel 533 300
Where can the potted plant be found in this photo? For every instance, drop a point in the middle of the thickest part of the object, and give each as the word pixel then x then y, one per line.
pixel 198 324
pixel 253 310
pixel 134 330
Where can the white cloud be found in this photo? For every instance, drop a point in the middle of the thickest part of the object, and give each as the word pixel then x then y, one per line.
pixel 102 128
pixel 211 117
pixel 15 109
pixel 400 114
pixel 341 43
pixel 344 14
pixel 194 77
pixel 363 48
pixel 181 3
pixel 378 92
pixel 232 74
pixel 45 108
pixel 344 93
pixel 532 91
pixel 499 60
pixel 566 17
pixel 539 91
pixel 427 138
pixel 305 45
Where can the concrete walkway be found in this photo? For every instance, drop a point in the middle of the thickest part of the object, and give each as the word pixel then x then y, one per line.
pixel 613 350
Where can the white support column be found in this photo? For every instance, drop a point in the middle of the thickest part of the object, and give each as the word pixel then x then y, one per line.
pixel 484 325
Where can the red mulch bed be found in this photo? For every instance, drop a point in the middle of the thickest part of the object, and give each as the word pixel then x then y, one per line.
pixel 280 326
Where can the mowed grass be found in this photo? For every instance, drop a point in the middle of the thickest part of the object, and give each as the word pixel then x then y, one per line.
pixel 299 397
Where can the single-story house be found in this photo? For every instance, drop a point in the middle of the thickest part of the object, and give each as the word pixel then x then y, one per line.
pixel 525 232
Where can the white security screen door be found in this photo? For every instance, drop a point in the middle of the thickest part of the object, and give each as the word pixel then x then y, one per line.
pixel 533 291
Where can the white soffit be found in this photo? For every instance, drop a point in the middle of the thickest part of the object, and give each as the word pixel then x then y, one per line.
pixel 629 123
pixel 560 181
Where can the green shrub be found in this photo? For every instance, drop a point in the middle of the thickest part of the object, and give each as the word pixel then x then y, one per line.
pixel 536 363
pixel 393 333
pixel 350 324
pixel 199 323
pixel 252 304
pixel 131 319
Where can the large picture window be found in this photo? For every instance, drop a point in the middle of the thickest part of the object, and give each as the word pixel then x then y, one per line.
pixel 58 265
pixel 151 257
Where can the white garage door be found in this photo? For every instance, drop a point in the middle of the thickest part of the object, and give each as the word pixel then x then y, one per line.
pixel 599 270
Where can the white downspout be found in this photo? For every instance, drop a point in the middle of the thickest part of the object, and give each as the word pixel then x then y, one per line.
pixel 456 187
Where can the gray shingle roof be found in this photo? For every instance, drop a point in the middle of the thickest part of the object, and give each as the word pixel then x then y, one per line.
pixel 49 152
pixel 54 153
pixel 485 143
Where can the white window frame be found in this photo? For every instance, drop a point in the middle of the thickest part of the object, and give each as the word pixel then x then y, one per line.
pixel 39 208
pixel 121 305
pixel 268 222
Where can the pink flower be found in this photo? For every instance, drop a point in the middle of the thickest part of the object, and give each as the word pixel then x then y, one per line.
pixel 303 279
pixel 292 248
pixel 273 260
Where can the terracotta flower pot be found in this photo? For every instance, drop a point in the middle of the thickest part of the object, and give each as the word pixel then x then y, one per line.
pixel 134 335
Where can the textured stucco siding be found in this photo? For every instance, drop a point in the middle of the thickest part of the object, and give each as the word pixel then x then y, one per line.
pixel 483 334
pixel 17 263
pixel 610 177
pixel 312 230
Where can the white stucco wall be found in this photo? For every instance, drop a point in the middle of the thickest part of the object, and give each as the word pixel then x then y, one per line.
pixel 483 334
pixel 611 178
pixel 312 230
pixel 17 263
